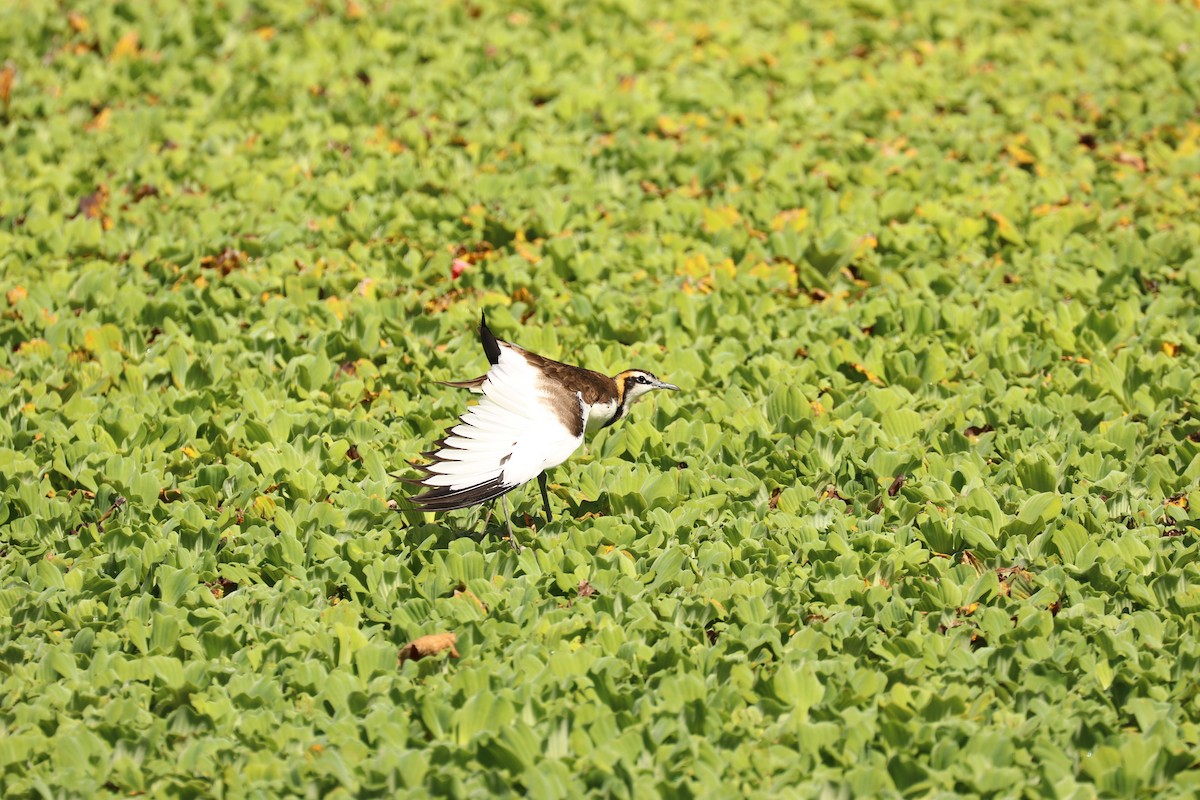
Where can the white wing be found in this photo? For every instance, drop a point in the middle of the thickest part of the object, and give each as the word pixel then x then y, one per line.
pixel 512 435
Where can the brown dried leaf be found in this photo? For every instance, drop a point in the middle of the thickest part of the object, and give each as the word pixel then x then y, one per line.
pixel 896 485
pixel 463 591
pixel 226 262
pixel 831 493
pixel 1132 160
pixel 143 191
pixel 773 503
pixel 428 645
pixel 92 206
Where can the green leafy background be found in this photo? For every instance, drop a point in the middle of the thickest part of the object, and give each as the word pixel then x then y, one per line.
pixel 955 243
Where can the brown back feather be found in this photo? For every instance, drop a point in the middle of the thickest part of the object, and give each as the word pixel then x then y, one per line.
pixel 596 387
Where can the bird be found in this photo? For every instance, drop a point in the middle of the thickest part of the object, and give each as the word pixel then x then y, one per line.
pixel 533 415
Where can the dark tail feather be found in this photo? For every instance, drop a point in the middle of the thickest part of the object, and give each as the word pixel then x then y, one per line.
pixel 490 346
pixel 475 384
pixel 443 498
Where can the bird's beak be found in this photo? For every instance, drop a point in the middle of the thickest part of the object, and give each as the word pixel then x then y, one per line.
pixel 664 385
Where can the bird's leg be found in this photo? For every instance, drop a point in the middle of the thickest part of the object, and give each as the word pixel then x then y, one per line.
pixel 545 497
pixel 512 537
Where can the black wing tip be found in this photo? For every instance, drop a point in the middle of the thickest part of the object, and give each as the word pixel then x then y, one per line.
pixel 491 347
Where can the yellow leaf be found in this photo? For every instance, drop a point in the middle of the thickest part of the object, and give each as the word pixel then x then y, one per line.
pixel 264 506
pixel 16 295
pixel 105 338
pixel 695 265
pixel 793 219
pixel 190 451
pixel 354 10
pixel 668 126
pixel 126 47
pixel 336 306
pixel 1017 151
pixel 266 33
pixel 78 22
pixel 38 347
pixel 719 219
pixel 1170 348
pixel 1005 229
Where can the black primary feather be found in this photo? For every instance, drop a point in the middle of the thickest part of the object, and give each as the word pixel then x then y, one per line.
pixel 490 346
pixel 443 498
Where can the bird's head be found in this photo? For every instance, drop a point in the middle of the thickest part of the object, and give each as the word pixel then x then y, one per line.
pixel 634 384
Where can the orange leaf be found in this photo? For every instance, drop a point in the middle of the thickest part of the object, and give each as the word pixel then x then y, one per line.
pixel 1170 348
pixel 7 76
pixel 100 121
pixel 866 373
pixel 126 47
pixel 78 22
pixel 16 295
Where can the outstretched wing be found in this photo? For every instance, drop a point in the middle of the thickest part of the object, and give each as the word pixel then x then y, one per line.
pixel 524 425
